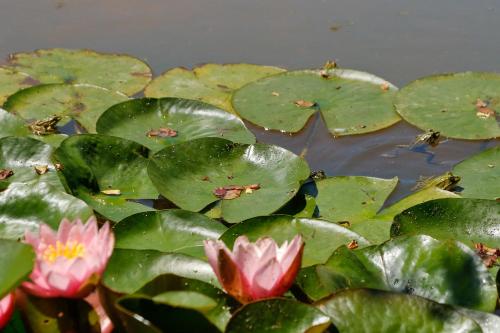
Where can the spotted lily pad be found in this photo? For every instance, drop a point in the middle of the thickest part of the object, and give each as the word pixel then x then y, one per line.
pixel 116 72
pixel 452 103
pixel 350 102
pixel 189 173
pixel 479 174
pixel 11 81
pixel 139 119
pixel 81 102
pixel 210 83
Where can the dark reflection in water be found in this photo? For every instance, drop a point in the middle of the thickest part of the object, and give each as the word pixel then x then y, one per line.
pixel 399 40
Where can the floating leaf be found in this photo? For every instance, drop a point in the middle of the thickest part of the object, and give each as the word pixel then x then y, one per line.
pixel 351 102
pixel 12 81
pixel 16 260
pixel 448 103
pixel 479 174
pixel 178 172
pixel 210 83
pixel 137 119
pixel 81 102
pixel 321 237
pixel 116 72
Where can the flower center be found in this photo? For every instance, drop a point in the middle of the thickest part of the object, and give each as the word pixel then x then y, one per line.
pixel 70 250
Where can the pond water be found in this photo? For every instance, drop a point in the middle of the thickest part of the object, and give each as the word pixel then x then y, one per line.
pixel 399 40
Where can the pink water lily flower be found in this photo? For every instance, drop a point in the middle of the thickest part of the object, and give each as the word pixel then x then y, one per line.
pixel 257 270
pixel 70 262
pixel 6 309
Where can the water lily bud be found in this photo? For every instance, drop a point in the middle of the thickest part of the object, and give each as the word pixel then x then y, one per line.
pixel 6 309
pixel 257 270
pixel 70 262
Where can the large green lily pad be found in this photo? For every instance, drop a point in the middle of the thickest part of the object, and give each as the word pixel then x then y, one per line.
pixel 16 260
pixel 365 310
pixel 188 173
pixel 448 103
pixel 352 198
pixel 95 163
pixel 467 220
pixel 321 237
pixel 210 83
pixel 278 315
pixel 81 102
pixel 172 230
pixel 12 81
pixel 479 174
pixel 116 72
pixel 138 118
pixel 418 265
pixel 25 207
pixel 351 102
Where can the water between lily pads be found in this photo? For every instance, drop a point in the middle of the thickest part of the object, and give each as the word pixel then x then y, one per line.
pixel 399 40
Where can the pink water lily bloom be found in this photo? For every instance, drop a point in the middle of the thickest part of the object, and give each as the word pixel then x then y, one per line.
pixel 69 262
pixel 257 270
pixel 6 309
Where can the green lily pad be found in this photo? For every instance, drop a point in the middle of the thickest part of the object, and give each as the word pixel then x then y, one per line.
pixel 351 102
pixel 467 220
pixel 22 155
pixel 16 260
pixel 374 230
pixel 95 163
pixel 115 72
pixel 488 322
pixel 173 230
pixel 81 102
pixel 448 103
pixel 138 119
pixel 12 81
pixel 278 315
pixel 189 172
pixel 321 237
pixel 26 206
pixel 478 173
pixel 365 310
pixel 418 265
pixel 352 198
pixel 210 83
pixel 130 270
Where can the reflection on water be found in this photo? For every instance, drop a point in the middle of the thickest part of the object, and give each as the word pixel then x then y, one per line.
pixel 399 40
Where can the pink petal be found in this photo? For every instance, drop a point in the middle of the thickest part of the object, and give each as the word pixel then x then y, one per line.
pixel 104 321
pixel 36 290
pixel 79 270
pixel 64 229
pixel 289 275
pixel 212 248
pixel 47 235
pixel 288 254
pixel 231 278
pixel 265 279
pixel 59 281
pixel 6 309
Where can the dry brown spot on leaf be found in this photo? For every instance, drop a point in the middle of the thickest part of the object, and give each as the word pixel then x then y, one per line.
pixel 230 192
pixel 274 93
pixel 41 169
pixel 384 86
pixel 481 104
pixel 487 254
pixel 59 166
pixel 205 179
pixel 304 104
pixel 5 173
pixel 162 132
pixel 230 177
pixel 352 245
pixel 111 192
pixel 485 113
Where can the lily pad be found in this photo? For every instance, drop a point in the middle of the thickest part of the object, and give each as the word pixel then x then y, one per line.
pixel 141 119
pixel 278 315
pixel 116 72
pixel 451 103
pixel 351 102
pixel 479 173
pixel 321 237
pixel 210 83
pixel 173 230
pixel 24 207
pixel 12 81
pixel 95 164
pixel 16 260
pixel 418 265
pixel 81 102
pixel 467 220
pixel 365 310
pixel 352 198
pixel 189 173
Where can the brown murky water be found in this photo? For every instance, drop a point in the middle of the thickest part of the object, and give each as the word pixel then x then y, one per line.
pixel 399 40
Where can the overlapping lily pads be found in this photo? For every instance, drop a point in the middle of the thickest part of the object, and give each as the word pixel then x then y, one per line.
pixel 350 102
pixel 12 81
pixel 81 102
pixel 116 72
pixel 188 174
pixel 210 83
pixel 459 105
pixel 139 119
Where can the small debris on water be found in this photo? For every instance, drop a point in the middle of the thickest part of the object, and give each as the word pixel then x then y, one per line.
pixel 41 169
pixel 304 104
pixel 352 245
pixel 234 191
pixel 111 192
pixel 6 173
pixel 162 132
pixel 274 93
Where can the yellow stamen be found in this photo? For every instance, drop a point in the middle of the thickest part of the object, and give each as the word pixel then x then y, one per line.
pixel 70 250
